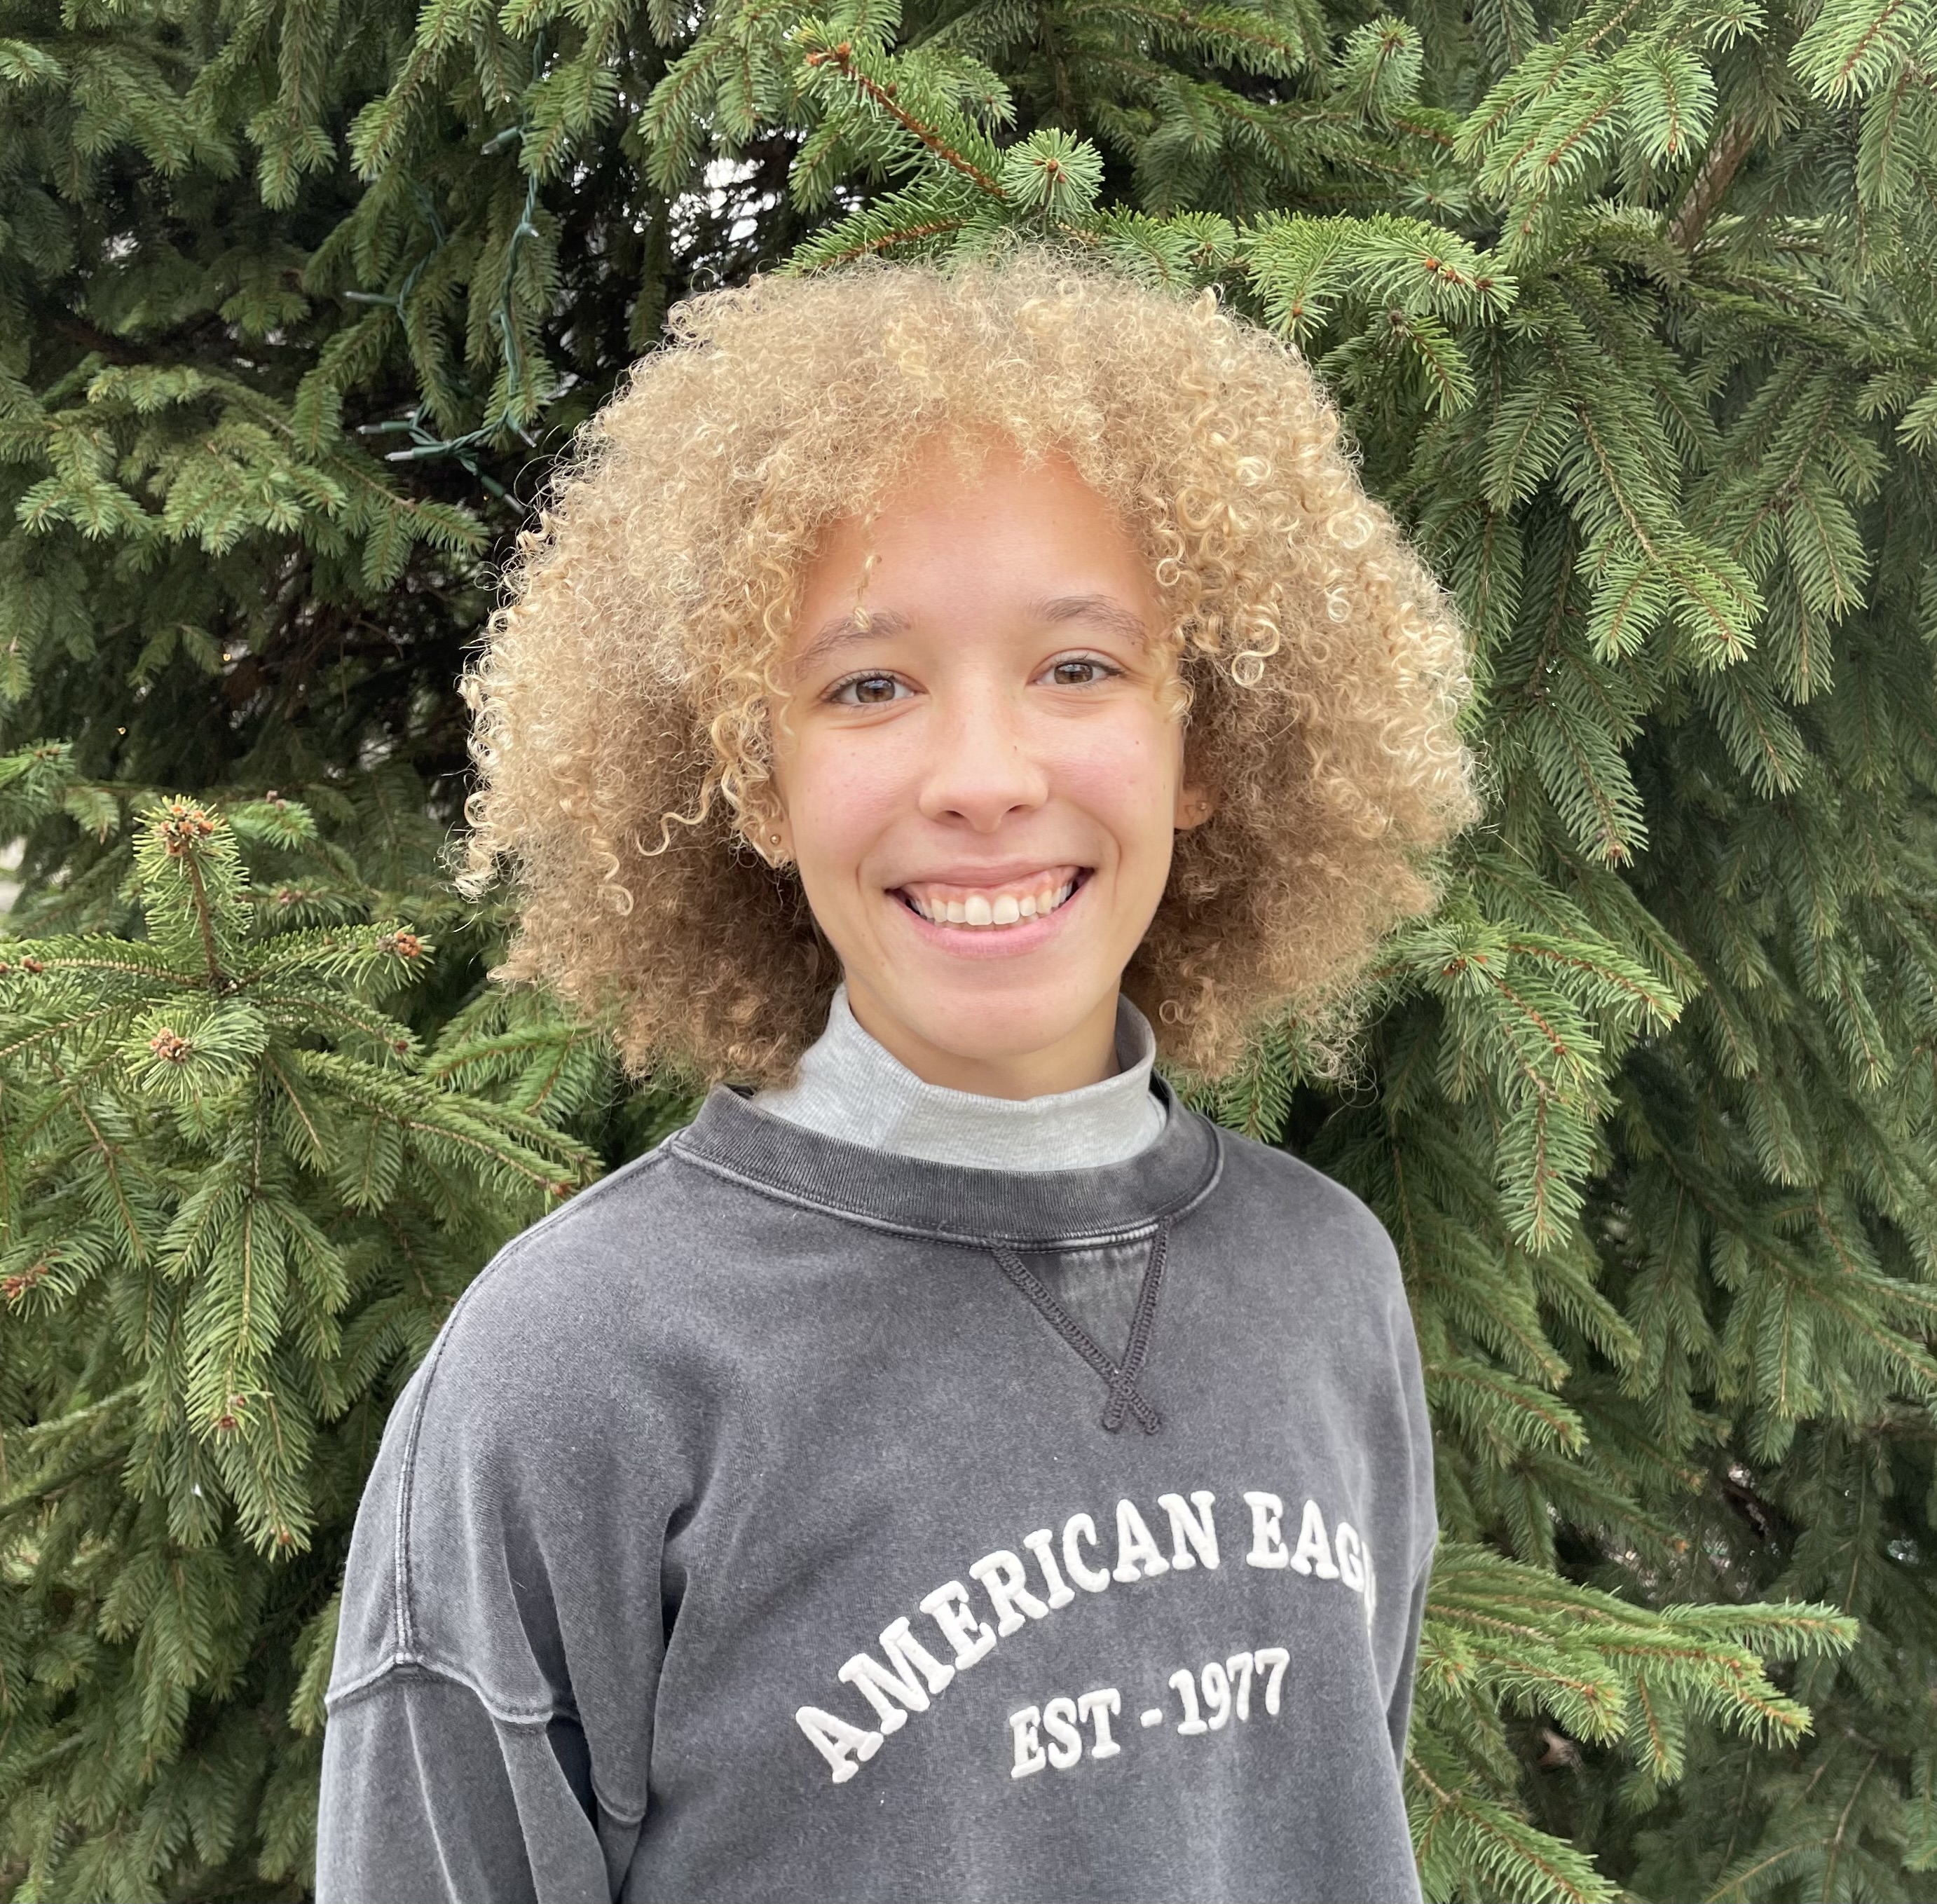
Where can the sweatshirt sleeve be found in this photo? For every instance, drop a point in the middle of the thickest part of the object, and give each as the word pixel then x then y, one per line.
pixel 491 1700
pixel 427 1799
pixel 1398 1708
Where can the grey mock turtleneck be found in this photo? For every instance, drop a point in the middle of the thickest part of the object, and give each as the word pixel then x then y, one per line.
pixel 849 1085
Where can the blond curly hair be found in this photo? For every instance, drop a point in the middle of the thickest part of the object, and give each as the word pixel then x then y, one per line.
pixel 621 696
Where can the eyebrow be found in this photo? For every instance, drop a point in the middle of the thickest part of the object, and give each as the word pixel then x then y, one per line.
pixel 1101 611
pixel 844 629
pixel 1105 612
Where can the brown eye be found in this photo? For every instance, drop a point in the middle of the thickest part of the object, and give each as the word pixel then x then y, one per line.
pixel 873 690
pixel 1074 674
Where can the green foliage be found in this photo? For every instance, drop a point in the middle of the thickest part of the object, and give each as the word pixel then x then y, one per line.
pixel 1626 308
pixel 1505 1636
pixel 237 1203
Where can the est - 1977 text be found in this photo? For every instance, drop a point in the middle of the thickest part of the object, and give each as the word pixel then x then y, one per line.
pixel 1227 1692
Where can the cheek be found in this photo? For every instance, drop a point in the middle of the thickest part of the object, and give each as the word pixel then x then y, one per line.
pixel 1124 774
pixel 840 799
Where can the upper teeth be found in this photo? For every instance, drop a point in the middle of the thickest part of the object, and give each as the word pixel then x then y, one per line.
pixel 988 909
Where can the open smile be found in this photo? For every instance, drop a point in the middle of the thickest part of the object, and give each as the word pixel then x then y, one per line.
pixel 992 908
pixel 1015 916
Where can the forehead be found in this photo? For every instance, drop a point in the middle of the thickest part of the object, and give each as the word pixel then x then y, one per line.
pixel 954 542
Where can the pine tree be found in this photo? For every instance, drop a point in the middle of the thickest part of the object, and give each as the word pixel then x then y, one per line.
pixel 1624 305
pixel 246 1192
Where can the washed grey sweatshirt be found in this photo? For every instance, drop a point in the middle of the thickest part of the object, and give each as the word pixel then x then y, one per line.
pixel 848 1084
pixel 783 1519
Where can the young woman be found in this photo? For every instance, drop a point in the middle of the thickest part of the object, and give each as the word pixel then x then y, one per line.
pixel 951 1468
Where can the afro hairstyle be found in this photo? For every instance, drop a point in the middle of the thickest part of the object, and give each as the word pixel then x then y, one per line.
pixel 622 694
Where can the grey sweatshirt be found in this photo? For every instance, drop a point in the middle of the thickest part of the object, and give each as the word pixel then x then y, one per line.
pixel 782 1519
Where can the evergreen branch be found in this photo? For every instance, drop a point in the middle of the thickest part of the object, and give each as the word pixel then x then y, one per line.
pixel 828 251
pixel 841 58
pixel 109 1154
pixel 1875 45
pixel 1557 1423
pixel 292 1097
pixel 1507 1842
pixel 294 1009
pixel 247 1249
pixel 1657 1002
pixel 449 1130
pixel 1721 625
pixel 512 1141
pixel 32 1498
pixel 31 1436
pixel 60 1033
pixel 1219 28
pixel 203 918
pixel 1710 185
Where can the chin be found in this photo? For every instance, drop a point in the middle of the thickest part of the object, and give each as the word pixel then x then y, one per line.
pixel 991 1028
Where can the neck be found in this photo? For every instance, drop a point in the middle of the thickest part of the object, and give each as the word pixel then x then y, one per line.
pixel 1087 1054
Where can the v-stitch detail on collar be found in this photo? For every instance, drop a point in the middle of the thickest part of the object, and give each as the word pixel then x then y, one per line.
pixel 1125 1394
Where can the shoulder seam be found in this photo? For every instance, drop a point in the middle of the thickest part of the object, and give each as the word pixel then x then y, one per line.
pixel 402 1666
pixel 403 1663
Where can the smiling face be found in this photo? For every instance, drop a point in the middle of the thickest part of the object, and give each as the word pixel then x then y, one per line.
pixel 979 779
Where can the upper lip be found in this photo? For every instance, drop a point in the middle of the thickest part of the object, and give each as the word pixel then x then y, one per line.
pixel 1009 871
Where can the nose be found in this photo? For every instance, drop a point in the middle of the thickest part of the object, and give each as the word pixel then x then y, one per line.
pixel 983 763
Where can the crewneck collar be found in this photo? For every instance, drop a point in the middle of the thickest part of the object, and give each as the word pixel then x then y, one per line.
pixel 849 1085
pixel 734 1138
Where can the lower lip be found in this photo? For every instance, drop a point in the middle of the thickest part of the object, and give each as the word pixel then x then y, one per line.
pixel 990 942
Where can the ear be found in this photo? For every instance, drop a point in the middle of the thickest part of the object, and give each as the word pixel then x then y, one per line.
pixel 773 841
pixel 1195 805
